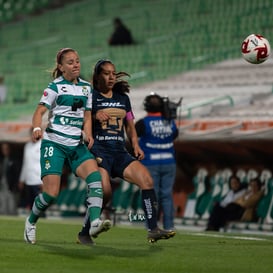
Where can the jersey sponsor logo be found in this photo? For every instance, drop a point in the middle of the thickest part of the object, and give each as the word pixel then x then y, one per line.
pixel 109 138
pixel 45 94
pixel 98 191
pixel 64 121
pixel 63 88
pixel 112 104
pixel 76 122
pixel 77 104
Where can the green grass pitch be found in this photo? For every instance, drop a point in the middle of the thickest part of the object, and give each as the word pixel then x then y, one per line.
pixel 125 249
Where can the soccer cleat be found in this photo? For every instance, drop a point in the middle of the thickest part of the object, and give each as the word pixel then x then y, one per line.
pixel 30 232
pixel 159 234
pixel 98 226
pixel 171 233
pixel 85 240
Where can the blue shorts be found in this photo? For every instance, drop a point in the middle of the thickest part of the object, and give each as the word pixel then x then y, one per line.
pixel 113 162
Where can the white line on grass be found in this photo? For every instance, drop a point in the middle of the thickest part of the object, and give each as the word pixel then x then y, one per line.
pixel 232 237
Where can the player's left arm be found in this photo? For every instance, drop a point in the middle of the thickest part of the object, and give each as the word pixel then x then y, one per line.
pixel 132 136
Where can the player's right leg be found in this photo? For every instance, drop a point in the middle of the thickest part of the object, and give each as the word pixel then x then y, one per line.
pixel 52 160
pixel 41 203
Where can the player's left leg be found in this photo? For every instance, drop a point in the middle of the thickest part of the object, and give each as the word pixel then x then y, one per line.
pixel 143 179
pixel 84 236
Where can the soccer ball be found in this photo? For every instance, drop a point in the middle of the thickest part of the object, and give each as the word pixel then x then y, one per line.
pixel 255 49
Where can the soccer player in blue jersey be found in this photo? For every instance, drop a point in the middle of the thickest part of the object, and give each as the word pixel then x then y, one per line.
pixel 69 101
pixel 156 135
pixel 113 116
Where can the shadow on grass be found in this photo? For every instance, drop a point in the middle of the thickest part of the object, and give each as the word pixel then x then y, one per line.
pixel 87 252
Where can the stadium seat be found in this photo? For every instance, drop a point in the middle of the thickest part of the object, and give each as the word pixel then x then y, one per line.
pixel 216 191
pixel 199 189
pixel 122 197
pixel 265 176
pixel 211 195
pixel 241 173
pixel 225 176
pixel 71 200
pixel 202 204
pixel 265 208
pixel 251 174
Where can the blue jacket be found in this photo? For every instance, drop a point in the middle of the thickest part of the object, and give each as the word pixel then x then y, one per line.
pixel 156 136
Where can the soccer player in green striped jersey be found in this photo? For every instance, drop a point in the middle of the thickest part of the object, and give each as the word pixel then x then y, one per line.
pixel 68 100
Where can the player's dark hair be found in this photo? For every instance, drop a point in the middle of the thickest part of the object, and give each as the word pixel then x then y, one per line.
pixel 121 86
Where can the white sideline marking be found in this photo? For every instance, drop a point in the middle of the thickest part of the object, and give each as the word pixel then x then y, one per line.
pixel 232 237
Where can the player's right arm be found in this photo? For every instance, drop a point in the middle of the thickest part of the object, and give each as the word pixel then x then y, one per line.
pixel 37 122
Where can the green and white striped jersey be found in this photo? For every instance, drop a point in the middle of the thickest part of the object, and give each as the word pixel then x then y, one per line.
pixel 66 103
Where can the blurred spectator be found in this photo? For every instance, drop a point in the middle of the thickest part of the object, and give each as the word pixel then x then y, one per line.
pixel 121 35
pixel 30 177
pixel 9 174
pixel 237 189
pixel 3 90
pixel 243 208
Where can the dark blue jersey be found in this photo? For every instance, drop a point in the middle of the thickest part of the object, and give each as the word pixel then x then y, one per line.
pixel 110 133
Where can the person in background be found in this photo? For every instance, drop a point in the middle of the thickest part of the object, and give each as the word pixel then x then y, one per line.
pixel 3 90
pixel 113 115
pixel 9 175
pixel 68 99
pixel 30 182
pixel 121 35
pixel 237 189
pixel 243 208
pixel 156 138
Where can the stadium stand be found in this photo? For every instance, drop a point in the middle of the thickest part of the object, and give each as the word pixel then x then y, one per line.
pixel 170 41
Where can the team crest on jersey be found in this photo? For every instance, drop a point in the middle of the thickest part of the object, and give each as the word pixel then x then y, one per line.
pixel 47 165
pixel 85 91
